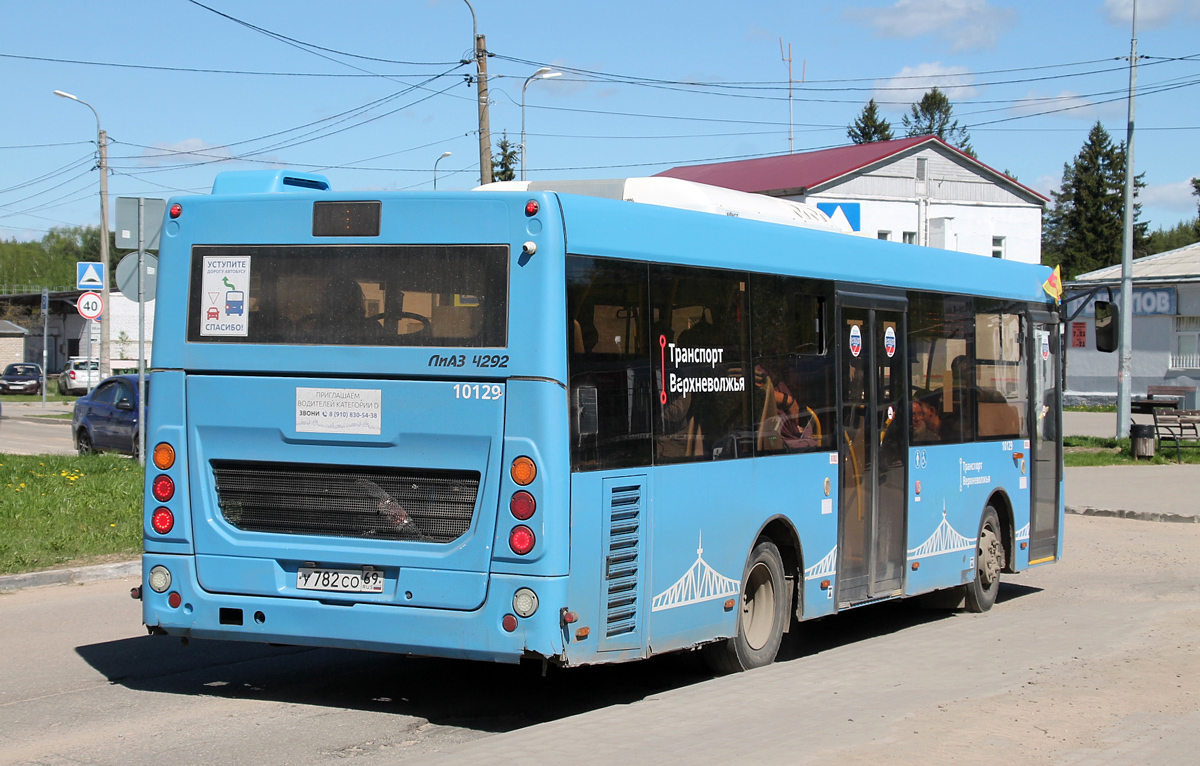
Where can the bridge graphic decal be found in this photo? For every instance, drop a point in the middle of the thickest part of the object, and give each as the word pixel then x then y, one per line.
pixel 945 539
pixel 1023 533
pixel 698 584
pixel 823 568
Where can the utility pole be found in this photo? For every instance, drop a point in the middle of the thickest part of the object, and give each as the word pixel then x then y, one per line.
pixel 1125 342
pixel 104 323
pixel 479 47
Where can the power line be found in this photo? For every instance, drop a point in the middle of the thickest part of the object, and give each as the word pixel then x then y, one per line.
pixel 203 70
pixel 282 37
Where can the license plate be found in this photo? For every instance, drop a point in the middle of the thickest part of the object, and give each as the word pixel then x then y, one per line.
pixel 340 580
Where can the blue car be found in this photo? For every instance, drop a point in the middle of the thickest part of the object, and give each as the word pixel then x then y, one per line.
pixel 107 418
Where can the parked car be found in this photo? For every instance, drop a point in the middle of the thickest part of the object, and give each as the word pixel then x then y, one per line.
pixel 107 418
pixel 78 376
pixel 21 378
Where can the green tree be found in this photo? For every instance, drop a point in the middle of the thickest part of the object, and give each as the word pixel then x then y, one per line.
pixel 1179 235
pixel 1196 191
pixel 933 115
pixel 869 127
pixel 1083 231
pixel 504 162
pixel 51 262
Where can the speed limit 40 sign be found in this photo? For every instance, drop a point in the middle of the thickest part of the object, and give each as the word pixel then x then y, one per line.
pixel 90 305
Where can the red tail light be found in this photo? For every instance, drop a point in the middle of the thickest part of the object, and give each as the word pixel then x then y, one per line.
pixel 71 374
pixel 521 540
pixel 162 520
pixel 163 488
pixel 522 505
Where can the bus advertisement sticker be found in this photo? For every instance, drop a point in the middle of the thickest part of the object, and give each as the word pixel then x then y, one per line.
pixel 225 281
pixel 855 340
pixel 889 342
pixel 339 410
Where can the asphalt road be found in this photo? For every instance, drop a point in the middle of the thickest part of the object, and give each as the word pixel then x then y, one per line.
pixel 23 432
pixel 1092 660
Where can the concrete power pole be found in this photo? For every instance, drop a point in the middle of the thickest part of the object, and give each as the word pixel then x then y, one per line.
pixel 1125 342
pixel 485 133
pixel 104 321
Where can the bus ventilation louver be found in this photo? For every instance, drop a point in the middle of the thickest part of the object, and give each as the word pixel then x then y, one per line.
pixel 383 503
pixel 621 565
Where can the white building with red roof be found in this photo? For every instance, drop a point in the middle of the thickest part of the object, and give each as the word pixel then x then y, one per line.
pixel 918 190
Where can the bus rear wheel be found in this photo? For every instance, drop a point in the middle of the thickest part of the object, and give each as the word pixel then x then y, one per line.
pixel 989 560
pixel 762 619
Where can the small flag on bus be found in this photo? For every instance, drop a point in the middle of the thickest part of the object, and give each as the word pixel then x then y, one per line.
pixel 1053 285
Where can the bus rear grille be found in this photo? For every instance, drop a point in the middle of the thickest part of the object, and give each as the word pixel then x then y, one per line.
pixel 381 503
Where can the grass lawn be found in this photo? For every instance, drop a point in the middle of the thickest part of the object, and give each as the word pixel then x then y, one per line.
pixel 1094 450
pixel 59 510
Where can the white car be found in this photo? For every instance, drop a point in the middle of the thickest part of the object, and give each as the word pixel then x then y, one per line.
pixel 78 376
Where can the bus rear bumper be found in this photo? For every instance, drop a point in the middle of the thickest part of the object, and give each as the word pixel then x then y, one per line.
pixel 473 635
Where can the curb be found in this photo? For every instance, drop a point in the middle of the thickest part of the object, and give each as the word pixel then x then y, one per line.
pixel 75 576
pixel 1176 518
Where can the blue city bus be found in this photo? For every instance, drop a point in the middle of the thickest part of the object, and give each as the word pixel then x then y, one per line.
pixel 529 424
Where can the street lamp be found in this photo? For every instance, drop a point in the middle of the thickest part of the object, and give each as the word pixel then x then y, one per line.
pixel 435 164
pixel 102 140
pixel 545 73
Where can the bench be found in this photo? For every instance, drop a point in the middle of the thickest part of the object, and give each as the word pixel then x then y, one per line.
pixel 1181 393
pixel 1176 426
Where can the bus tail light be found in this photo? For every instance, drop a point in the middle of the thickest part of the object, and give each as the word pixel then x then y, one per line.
pixel 164 456
pixel 525 602
pixel 521 540
pixel 163 488
pixel 176 210
pixel 522 505
pixel 523 471
pixel 162 520
pixel 174 599
pixel 509 622
pixel 159 579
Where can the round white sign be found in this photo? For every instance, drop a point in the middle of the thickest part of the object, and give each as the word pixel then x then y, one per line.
pixel 90 306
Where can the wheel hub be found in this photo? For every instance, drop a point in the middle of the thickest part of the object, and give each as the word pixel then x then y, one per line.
pixel 991 556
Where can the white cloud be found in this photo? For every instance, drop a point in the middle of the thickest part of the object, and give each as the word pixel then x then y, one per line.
pixel 965 24
pixel 1046 184
pixel 1151 13
pixel 912 82
pixel 1176 197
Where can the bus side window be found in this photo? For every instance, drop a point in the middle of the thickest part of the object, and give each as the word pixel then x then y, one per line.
pixel 608 364
pixel 793 372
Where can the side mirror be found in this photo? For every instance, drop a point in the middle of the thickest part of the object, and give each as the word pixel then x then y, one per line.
pixel 124 403
pixel 1108 324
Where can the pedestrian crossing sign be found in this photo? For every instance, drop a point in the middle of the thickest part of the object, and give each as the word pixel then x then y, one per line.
pixel 89 275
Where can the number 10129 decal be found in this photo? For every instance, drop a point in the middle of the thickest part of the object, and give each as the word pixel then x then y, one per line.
pixel 484 391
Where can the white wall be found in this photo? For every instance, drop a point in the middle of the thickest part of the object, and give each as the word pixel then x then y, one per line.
pixel 970 231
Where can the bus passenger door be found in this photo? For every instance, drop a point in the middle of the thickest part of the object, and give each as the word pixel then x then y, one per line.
pixel 874 446
pixel 1045 441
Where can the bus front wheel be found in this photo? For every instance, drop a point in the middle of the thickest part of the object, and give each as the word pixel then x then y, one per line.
pixel 989 560
pixel 762 619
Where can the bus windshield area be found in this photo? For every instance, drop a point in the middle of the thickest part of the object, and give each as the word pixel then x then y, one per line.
pixel 356 295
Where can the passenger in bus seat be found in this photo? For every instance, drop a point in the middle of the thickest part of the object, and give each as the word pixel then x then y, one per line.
pixel 927 423
pixel 345 316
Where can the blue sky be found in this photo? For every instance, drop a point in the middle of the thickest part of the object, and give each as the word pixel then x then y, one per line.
pixel 646 86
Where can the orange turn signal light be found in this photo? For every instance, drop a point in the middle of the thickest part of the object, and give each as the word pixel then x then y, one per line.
pixel 164 456
pixel 523 471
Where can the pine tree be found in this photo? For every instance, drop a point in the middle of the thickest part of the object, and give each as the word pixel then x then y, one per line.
pixel 1196 191
pixel 1084 229
pixel 869 127
pixel 932 116
pixel 504 162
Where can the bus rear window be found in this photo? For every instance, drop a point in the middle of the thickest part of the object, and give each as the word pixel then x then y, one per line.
pixel 351 295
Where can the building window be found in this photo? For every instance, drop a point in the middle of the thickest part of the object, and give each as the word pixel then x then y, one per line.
pixel 921 168
pixel 997 247
pixel 886 236
pixel 1187 343
pixel 910 238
